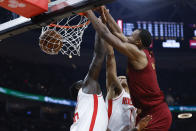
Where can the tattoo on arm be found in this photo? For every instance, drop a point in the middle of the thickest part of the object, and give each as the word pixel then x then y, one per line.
pixel 91 85
pixel 98 58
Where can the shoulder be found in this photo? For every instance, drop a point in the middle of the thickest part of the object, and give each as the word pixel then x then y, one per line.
pixel 140 62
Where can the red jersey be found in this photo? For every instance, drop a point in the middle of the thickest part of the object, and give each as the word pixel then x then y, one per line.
pixel 143 85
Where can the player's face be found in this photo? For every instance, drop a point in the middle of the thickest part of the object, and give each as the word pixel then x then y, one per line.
pixel 123 81
pixel 134 38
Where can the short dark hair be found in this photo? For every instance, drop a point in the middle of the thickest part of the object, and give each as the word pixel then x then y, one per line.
pixel 75 87
pixel 145 37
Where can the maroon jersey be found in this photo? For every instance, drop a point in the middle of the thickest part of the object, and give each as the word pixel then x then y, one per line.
pixel 143 85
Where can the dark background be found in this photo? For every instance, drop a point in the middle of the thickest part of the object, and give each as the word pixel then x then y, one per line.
pixel 24 67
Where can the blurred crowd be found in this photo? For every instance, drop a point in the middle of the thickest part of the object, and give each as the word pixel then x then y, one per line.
pixel 49 80
pixel 54 80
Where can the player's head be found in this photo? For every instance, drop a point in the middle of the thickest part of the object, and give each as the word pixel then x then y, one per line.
pixel 142 38
pixel 123 82
pixel 75 87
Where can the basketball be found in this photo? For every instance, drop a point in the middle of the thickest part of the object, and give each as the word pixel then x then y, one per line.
pixel 50 42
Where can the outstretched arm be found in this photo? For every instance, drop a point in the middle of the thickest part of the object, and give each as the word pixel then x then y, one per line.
pixel 112 81
pixel 113 26
pixel 90 81
pixel 127 49
pixel 98 58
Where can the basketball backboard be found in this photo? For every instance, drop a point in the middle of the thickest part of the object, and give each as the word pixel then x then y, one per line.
pixel 57 10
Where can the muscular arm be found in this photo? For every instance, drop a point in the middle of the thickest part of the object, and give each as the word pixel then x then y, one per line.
pixel 91 85
pixel 131 51
pixel 112 82
pixel 114 27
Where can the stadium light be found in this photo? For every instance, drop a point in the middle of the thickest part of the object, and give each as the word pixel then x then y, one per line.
pixel 184 115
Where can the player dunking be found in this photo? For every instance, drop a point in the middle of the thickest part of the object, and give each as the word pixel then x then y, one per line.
pixel 145 92
pixel 90 112
pixel 121 112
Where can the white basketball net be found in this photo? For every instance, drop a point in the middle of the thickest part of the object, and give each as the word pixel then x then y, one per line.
pixel 71 31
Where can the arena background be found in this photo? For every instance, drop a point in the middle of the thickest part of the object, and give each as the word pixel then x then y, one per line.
pixel 27 74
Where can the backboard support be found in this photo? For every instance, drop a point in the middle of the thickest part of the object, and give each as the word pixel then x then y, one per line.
pixel 57 10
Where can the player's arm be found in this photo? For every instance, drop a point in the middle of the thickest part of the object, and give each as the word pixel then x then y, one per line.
pixel 111 23
pixel 90 81
pixel 112 81
pixel 113 26
pixel 129 50
pixel 98 58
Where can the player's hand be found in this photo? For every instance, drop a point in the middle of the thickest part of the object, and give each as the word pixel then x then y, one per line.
pixel 97 9
pixel 101 11
pixel 87 12
pixel 143 122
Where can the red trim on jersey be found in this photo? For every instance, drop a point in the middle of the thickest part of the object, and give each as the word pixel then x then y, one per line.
pixel 109 108
pixel 118 96
pixel 100 95
pixel 94 112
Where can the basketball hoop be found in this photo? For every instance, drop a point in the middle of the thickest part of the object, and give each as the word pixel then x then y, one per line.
pixel 68 31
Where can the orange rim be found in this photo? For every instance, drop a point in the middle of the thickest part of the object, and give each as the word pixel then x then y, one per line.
pixel 74 26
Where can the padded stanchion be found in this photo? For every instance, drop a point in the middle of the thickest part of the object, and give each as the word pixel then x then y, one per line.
pixel 26 8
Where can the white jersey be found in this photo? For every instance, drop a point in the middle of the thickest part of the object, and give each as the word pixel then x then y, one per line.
pixel 121 112
pixel 90 113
